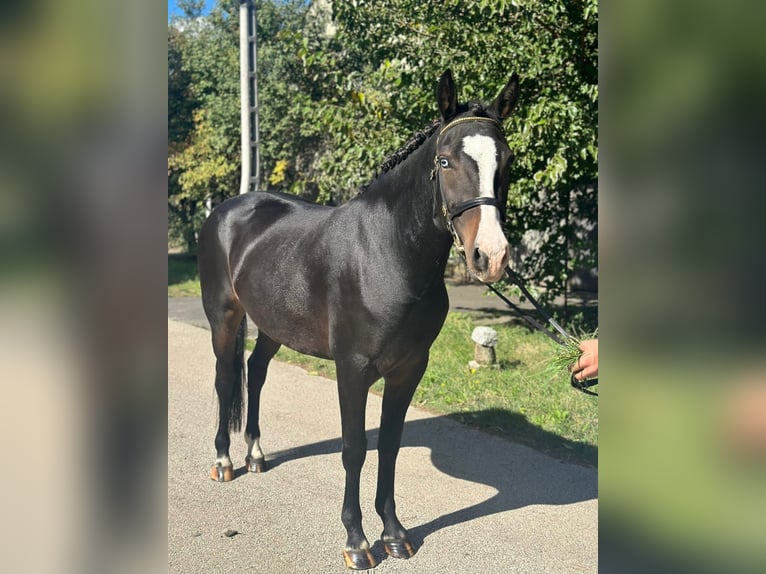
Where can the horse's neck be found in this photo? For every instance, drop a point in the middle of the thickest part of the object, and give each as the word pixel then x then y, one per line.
pixel 408 196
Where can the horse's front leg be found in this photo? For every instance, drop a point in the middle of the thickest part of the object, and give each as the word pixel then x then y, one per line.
pixel 400 386
pixel 352 391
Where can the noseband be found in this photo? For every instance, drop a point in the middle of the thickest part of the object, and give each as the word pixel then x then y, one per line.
pixel 450 213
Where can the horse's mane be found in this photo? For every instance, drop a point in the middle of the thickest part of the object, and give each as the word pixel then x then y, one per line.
pixel 413 143
pixel 417 139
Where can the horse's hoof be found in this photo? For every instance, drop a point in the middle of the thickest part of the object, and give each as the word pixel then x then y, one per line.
pixel 359 559
pixel 255 464
pixel 221 473
pixel 399 548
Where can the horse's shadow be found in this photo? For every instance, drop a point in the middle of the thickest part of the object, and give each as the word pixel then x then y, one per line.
pixel 521 478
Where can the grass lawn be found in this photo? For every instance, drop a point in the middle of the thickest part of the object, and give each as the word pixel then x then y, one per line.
pixel 523 399
pixel 183 277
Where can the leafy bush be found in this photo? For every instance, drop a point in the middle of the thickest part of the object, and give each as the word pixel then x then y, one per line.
pixel 341 87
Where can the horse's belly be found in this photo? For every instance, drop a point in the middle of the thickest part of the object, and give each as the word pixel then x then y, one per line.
pixel 305 332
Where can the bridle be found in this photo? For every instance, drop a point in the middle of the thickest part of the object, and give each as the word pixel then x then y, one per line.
pixel 450 213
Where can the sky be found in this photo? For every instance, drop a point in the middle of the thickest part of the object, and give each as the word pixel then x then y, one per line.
pixel 173 9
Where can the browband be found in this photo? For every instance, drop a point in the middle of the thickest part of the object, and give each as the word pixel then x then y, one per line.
pixel 462 121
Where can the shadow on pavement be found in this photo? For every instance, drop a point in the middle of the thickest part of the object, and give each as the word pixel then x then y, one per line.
pixel 530 479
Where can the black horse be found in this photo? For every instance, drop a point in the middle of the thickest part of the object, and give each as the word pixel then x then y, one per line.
pixel 361 284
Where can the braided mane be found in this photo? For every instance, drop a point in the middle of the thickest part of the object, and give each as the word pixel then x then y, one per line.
pixel 417 139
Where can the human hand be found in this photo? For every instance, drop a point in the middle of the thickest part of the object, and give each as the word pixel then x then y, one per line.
pixel 586 367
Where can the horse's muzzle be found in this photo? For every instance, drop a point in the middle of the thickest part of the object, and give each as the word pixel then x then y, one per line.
pixel 488 268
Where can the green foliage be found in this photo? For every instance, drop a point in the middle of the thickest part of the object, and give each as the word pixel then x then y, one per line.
pixel 341 90
pixel 203 151
pixel 183 276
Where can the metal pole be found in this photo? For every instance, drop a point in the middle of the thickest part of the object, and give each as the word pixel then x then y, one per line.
pixel 248 86
pixel 244 95
pixel 255 138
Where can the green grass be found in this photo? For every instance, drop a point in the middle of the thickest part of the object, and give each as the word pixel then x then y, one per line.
pixel 522 399
pixel 183 277
pixel 568 353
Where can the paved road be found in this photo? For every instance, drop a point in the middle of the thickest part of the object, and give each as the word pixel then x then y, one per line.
pixel 474 503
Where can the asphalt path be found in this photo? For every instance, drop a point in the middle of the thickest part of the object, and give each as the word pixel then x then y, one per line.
pixel 473 502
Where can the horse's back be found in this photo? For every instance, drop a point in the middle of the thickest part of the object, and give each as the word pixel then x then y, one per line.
pixel 244 217
pixel 265 206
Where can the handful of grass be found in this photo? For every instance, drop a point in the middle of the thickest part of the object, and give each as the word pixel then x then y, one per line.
pixel 568 353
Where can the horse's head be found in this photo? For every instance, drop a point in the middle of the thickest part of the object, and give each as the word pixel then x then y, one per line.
pixel 472 167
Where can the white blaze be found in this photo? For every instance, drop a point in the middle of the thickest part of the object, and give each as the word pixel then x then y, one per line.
pixel 482 150
pixel 490 238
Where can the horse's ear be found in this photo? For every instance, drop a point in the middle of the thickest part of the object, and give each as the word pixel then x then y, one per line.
pixel 447 96
pixel 506 99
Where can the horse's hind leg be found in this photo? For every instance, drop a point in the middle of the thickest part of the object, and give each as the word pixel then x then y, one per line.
pixel 228 329
pixel 257 365
pixel 399 388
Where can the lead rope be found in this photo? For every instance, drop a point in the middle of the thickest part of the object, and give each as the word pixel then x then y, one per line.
pixel 582 386
pixel 515 279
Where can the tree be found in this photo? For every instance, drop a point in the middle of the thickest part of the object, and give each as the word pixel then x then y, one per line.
pixel 203 108
pixel 392 51
pixel 203 158
pixel 341 90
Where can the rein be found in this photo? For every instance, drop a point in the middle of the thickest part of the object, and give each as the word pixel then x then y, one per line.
pixel 514 278
pixel 450 213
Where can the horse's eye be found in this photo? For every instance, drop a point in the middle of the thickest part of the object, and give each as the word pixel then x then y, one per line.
pixel 443 162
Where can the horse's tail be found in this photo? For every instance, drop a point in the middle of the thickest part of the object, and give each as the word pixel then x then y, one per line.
pixel 237 393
